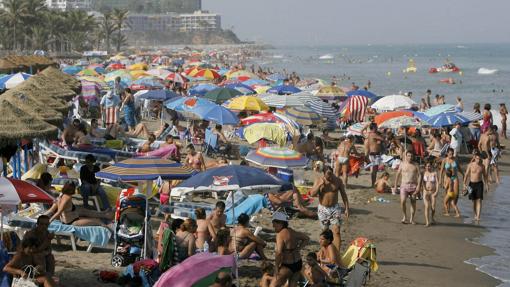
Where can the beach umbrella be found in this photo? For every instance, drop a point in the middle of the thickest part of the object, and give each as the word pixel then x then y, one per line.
pixel 221 95
pixel 88 72
pixel 124 76
pixel 447 119
pixel 177 78
pixel 247 103
pixel 436 110
pixel 280 157
pixel 401 121
pixel 304 116
pixel 363 93
pixel 138 66
pixel 136 74
pixel 199 270
pixel 158 95
pixel 244 89
pixel 281 101
pixel 393 102
pixel 379 119
pixel 242 75
pixel 192 71
pixel 262 89
pixel 187 104
pixel 72 70
pixel 264 117
pixel 255 82
pixel 306 96
pixel 276 77
pixel 471 116
pixel 15 191
pixel 217 114
pixel 147 82
pixel 284 90
pixel 116 66
pixel 230 177
pixel 323 109
pixel 11 81
pixel 202 89
pixel 16 124
pixel 160 73
pixel 145 168
pixel 330 93
pixel 208 74
pixel 275 132
pixel 357 128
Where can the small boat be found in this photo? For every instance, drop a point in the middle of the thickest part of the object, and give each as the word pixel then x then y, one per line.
pixel 411 67
pixel 486 71
pixel 326 57
pixel 449 67
pixel 450 81
pixel 277 56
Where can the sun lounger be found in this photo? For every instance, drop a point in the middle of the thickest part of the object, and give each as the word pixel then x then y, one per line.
pixel 95 235
pixel 51 150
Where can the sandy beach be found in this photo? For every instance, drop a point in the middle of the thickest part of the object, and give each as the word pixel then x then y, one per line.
pixel 408 255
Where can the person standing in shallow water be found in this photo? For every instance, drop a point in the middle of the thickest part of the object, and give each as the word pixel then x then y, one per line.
pixel 503 112
pixel 475 181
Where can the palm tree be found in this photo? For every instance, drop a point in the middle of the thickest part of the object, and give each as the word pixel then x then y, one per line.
pixel 14 12
pixel 120 18
pixel 35 10
pixel 39 37
pixel 106 24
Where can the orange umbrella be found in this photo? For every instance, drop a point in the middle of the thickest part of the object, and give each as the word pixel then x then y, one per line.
pixel 379 119
pixel 207 74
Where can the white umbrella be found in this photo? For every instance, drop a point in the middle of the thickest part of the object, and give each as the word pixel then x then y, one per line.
pixel 281 101
pixel 393 102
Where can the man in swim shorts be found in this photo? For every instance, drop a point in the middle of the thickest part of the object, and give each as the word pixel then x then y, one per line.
pixel 374 149
pixel 328 210
pixel 409 174
pixel 476 179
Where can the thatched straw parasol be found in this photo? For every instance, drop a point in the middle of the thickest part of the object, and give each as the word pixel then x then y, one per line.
pixel 16 124
pixel 42 98
pixel 31 107
pixel 58 76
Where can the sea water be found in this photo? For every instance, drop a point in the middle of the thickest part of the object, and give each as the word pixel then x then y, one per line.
pixel 383 66
pixel 494 217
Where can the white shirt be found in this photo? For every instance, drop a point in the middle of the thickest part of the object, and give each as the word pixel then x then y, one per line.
pixel 456 138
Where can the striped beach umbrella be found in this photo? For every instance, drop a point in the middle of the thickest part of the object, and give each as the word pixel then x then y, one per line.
pixel 176 78
pixel 284 90
pixel 244 89
pixel 278 101
pixel 280 157
pixel 144 168
pixel 304 116
pixel 330 92
pixel 355 108
pixel 11 81
pixel 160 73
pixel 208 74
pixel 439 109
pixel 471 116
pixel 447 119
pixel 324 109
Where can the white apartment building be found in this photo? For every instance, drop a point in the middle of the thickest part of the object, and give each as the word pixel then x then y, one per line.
pixel 199 21
pixel 66 5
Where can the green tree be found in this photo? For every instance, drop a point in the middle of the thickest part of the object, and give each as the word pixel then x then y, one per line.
pixel 107 26
pixel 120 21
pixel 15 11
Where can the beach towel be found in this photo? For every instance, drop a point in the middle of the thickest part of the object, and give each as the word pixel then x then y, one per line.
pixel 111 115
pixel 168 152
pixel 360 248
pixel 251 205
pixel 169 255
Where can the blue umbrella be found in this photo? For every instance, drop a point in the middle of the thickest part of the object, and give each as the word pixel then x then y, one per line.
pixel 100 70
pixel 364 93
pixel 157 95
pixel 253 82
pixel 447 119
pixel 149 82
pixel 178 62
pixel 230 177
pixel 187 104
pixel 436 110
pixel 216 113
pixel 201 89
pixel 11 81
pixel 244 89
pixel 72 70
pixel 284 90
pixel 276 77
pixel 145 168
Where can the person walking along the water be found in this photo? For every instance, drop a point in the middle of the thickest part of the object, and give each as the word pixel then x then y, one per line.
pixel 450 170
pixel 430 185
pixel 475 181
pixel 409 173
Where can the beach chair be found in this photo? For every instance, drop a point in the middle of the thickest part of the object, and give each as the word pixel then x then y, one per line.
pixel 211 145
pixel 49 151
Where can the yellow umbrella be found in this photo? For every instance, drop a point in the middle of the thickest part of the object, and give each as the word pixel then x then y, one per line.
pixel 138 66
pixel 274 132
pixel 138 73
pixel 330 91
pixel 247 103
pixel 118 57
pixel 262 89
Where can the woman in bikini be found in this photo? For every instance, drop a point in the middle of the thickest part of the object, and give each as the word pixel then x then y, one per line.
pixel 430 191
pixel 202 235
pixel 244 241
pixel 487 118
pixel 288 263
pixel 450 169
pixel 194 159
pixel 185 240
pixel 65 211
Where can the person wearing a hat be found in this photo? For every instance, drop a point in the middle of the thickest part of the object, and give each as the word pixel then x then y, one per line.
pixel 288 262
pixel 89 183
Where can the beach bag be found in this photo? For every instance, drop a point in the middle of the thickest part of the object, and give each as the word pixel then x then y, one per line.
pixel 26 282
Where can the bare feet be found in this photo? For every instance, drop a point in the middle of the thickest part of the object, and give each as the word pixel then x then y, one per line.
pixel 446 214
pixel 404 221
pixel 427 224
pixel 457 215
pixel 412 222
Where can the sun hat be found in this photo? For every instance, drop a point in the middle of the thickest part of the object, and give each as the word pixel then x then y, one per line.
pixel 280 216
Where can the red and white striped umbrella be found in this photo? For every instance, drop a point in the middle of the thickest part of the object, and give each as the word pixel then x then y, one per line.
pixel 15 191
pixel 176 77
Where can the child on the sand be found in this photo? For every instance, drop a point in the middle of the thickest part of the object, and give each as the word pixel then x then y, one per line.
pixel 267 274
pixel 382 185
pixel 315 275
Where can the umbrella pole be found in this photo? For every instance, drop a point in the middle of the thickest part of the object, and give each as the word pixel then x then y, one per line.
pixel 1 225
pixel 235 241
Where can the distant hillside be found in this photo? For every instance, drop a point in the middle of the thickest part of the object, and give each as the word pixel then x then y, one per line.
pixel 185 38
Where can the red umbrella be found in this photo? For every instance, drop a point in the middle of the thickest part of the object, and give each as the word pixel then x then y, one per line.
pixel 260 118
pixel 177 78
pixel 116 66
pixel 15 191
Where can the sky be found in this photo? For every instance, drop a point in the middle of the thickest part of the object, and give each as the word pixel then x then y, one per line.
pixel 330 22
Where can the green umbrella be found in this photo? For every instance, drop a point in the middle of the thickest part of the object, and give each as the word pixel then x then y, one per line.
pixel 221 95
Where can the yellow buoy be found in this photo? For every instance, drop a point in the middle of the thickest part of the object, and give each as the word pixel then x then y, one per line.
pixel 388 74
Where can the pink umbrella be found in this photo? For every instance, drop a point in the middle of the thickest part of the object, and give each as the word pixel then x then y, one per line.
pixel 194 269
pixel 15 191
